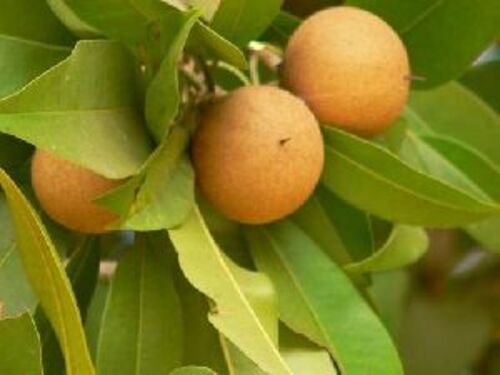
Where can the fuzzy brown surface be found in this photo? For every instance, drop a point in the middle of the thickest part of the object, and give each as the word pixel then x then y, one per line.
pixel 258 154
pixel 66 192
pixel 350 67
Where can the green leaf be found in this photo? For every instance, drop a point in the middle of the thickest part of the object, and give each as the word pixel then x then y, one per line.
pixel 439 50
pixel 66 15
pixel 207 43
pixel 48 279
pixel 207 269
pixel 454 111
pixel 82 270
pixel 451 162
pixel 20 347
pixel 207 7
pixel 460 165
pixel 354 226
pixel 192 370
pixel 23 60
pixel 161 195
pixel 391 189
pixel 141 330
pixel 38 22
pixel 126 21
pixel 241 21
pixel 16 295
pixel 94 315
pixel 83 109
pixel 304 357
pixel 313 219
pixel 486 233
pixel 326 306
pixel 202 342
pixel 482 80
pixel 163 94
pixel 282 28
pixel 404 246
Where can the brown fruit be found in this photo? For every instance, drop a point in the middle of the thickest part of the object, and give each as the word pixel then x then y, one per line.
pixel 66 192
pixel 350 67
pixel 258 154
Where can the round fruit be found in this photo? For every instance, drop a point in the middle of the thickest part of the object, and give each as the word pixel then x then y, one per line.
pixel 258 154
pixel 350 67
pixel 66 192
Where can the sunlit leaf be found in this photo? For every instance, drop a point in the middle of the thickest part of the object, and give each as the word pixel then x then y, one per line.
pixel 48 279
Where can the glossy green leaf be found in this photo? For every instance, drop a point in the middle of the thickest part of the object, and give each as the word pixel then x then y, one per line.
pixel 141 330
pixel 207 43
pixel 163 95
pixel 20 347
pixel 391 189
pixel 233 315
pixel 241 21
pixel 83 109
pixel 94 315
pixel 82 270
pixel 458 164
pixel 161 195
pixel 48 279
pixel 313 219
pixel 454 111
pixel 207 7
pixel 483 81
pixel 38 22
pixel 304 357
pixel 126 21
pixel 192 370
pixel 443 37
pixel 23 60
pixel 283 26
pixel 327 308
pixel 16 295
pixel 404 246
pixel 68 17
pixel 354 226
pixel 202 342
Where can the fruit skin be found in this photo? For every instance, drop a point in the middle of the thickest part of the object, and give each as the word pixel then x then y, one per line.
pixel 350 67
pixel 258 154
pixel 66 192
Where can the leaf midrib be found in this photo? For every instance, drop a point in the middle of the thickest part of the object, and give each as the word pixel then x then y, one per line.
pixel 303 294
pixel 487 207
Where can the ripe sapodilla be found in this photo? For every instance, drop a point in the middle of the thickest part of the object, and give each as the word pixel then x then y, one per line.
pixel 258 154
pixel 350 67
pixel 66 192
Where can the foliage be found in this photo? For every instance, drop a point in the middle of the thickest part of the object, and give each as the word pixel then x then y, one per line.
pixel 117 87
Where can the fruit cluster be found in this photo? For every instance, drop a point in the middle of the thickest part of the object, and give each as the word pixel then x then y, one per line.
pixel 258 151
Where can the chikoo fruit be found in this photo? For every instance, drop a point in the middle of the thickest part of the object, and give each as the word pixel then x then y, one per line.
pixel 66 192
pixel 350 67
pixel 257 153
